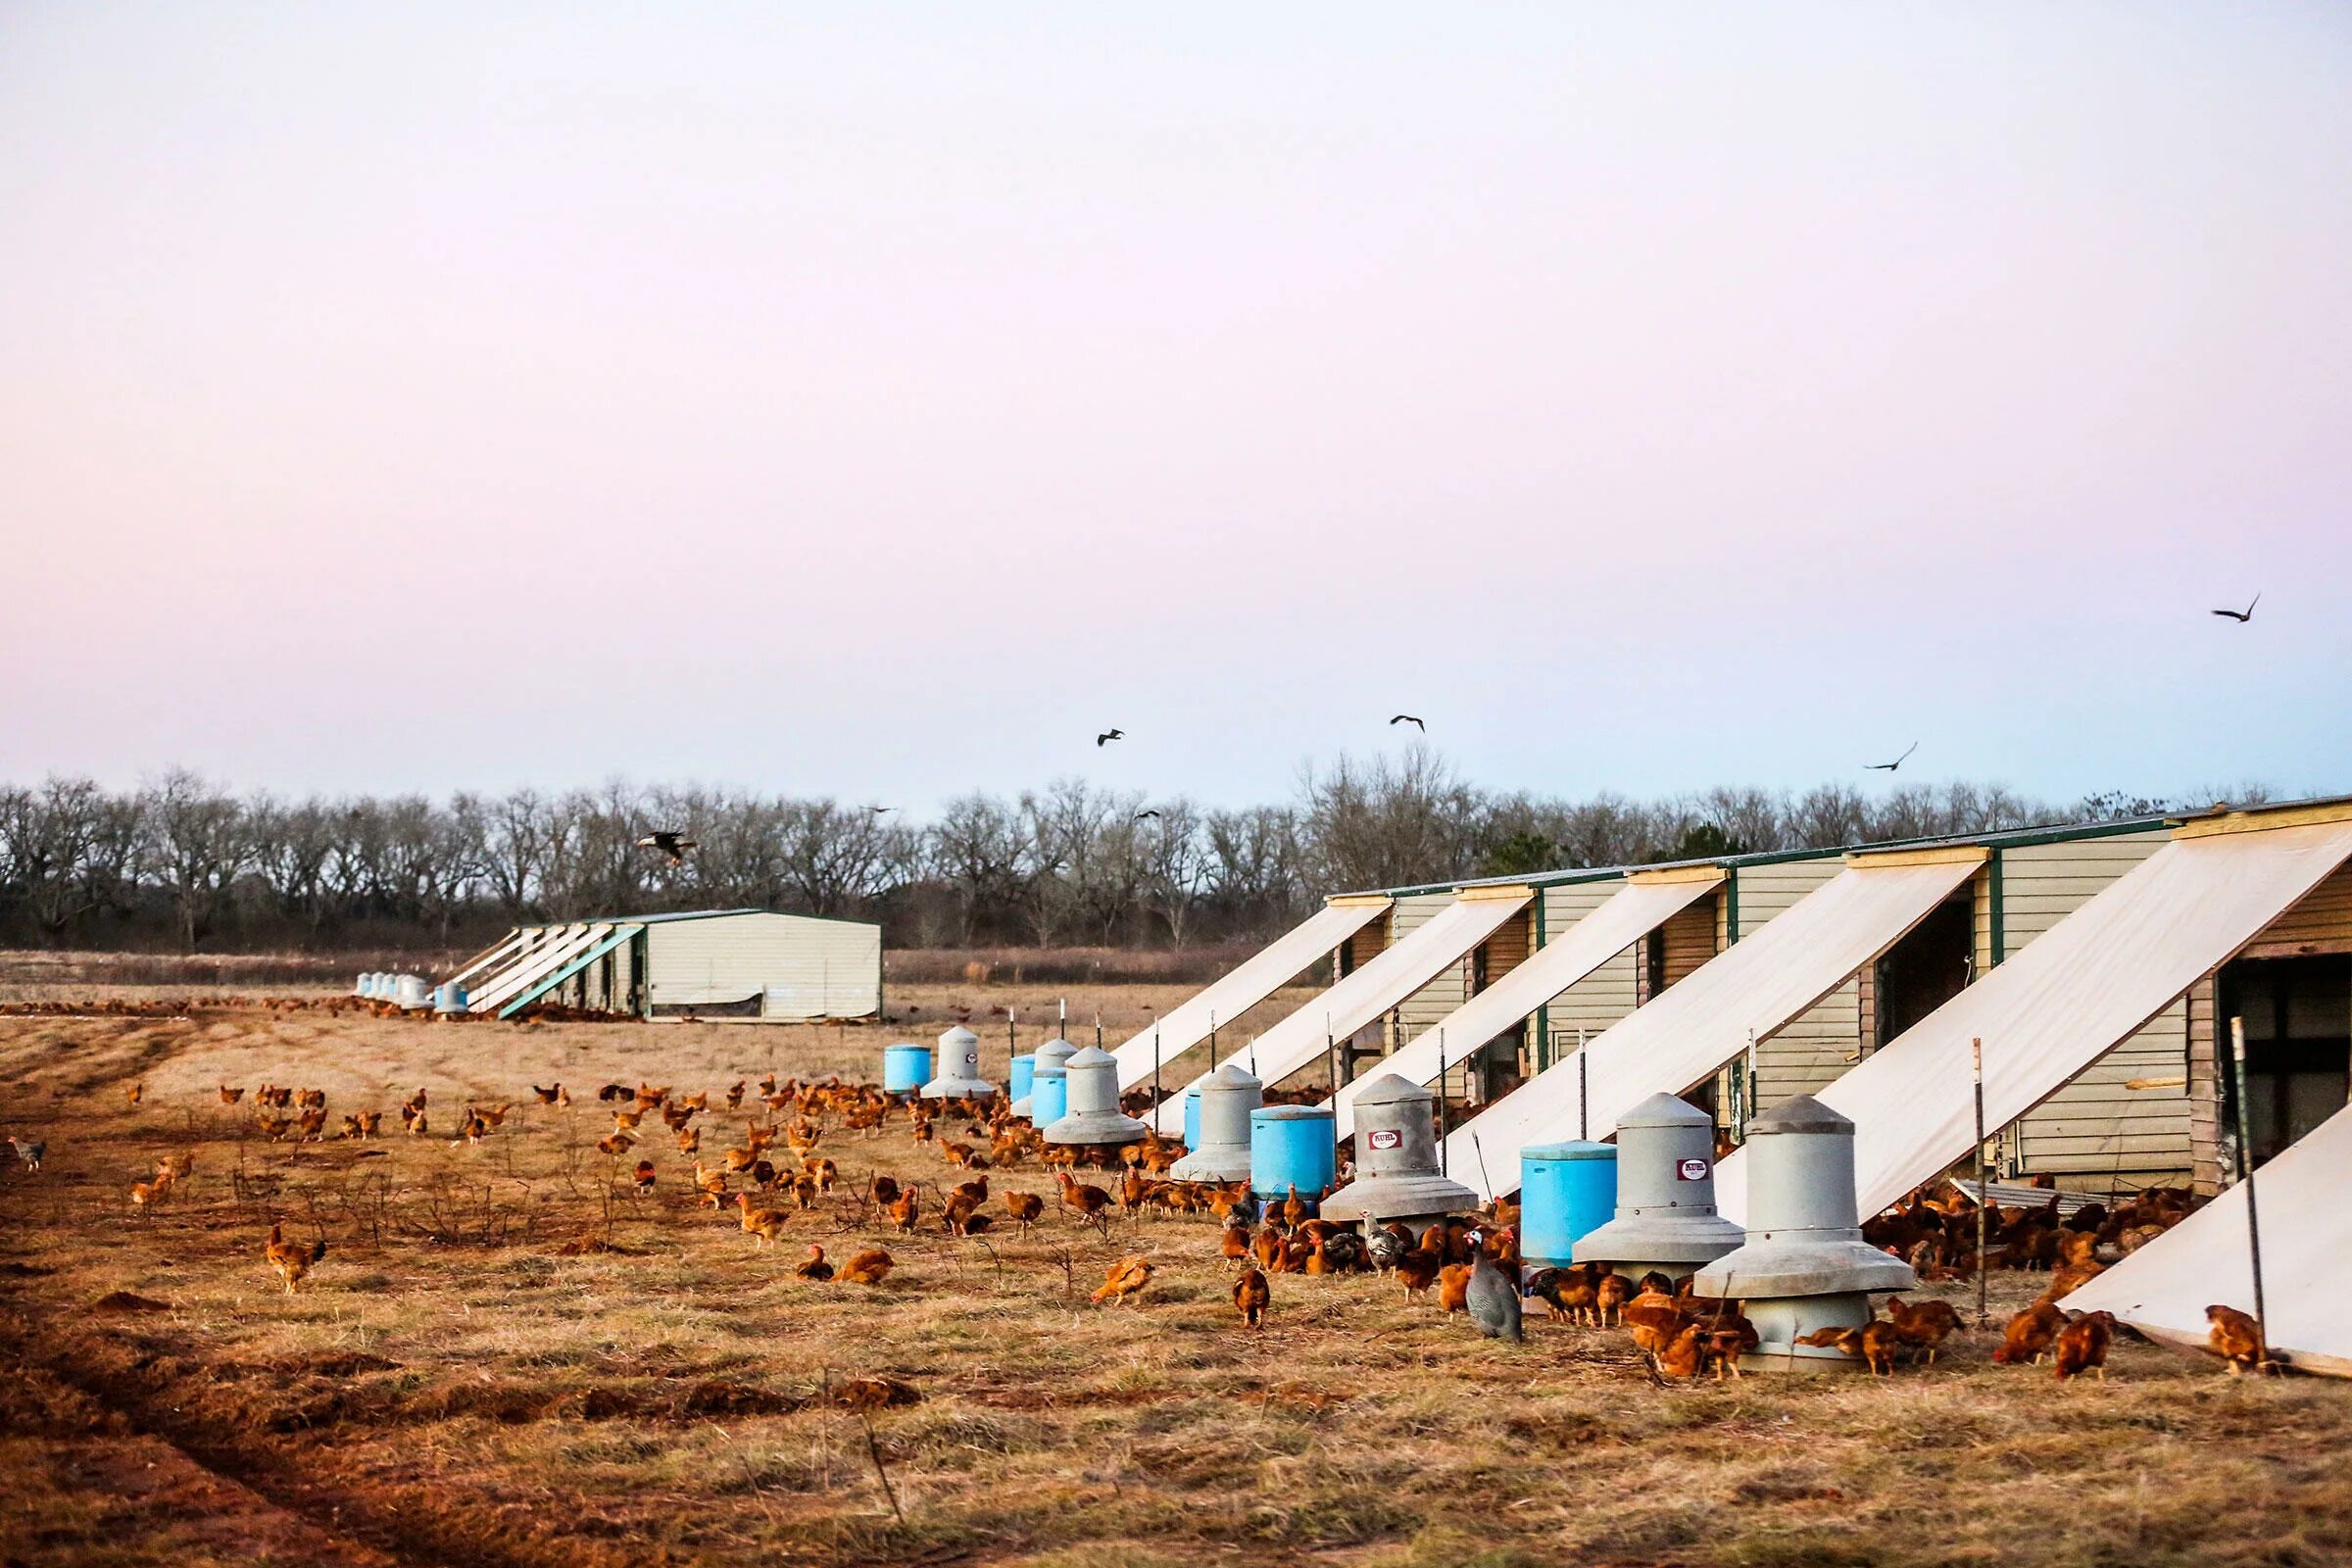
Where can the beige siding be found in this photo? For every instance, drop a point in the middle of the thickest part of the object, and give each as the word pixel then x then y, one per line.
pixel 1447 991
pixel 805 968
pixel 1603 997
pixel 2094 1130
pixel 1814 1048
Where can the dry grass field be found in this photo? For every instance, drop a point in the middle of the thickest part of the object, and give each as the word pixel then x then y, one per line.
pixel 450 1386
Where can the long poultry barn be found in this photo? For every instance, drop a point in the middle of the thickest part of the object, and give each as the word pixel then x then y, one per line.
pixel 710 965
pixel 1506 979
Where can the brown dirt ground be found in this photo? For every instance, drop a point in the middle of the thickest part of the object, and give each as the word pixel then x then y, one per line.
pixel 449 1388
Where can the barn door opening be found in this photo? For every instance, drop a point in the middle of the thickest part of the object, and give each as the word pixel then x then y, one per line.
pixel 2298 1021
pixel 1928 967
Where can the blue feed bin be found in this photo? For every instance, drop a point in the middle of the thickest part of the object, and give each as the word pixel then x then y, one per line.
pixel 1565 1189
pixel 905 1068
pixel 449 997
pixel 1191 1119
pixel 1292 1145
pixel 1048 1096
pixel 1024 1074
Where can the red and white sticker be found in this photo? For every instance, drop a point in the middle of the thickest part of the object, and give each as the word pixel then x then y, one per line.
pixel 1692 1171
pixel 1387 1137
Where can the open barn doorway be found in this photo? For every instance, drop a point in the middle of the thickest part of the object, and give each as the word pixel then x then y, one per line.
pixel 2298 1021
pixel 1929 967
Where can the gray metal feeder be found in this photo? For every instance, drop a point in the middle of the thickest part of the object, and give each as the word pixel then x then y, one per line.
pixel 1666 1217
pixel 959 1068
pixel 1054 1053
pixel 1094 1116
pixel 411 993
pixel 1805 1265
pixel 1227 1099
pixel 1397 1158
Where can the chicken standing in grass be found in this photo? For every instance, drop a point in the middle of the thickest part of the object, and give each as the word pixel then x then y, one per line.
pixel 2083 1346
pixel 1922 1325
pixel 291 1259
pixel 2238 1339
pixel 762 1225
pixel 1252 1296
pixel 1125 1278
pixel 32 1153
pixel 2030 1334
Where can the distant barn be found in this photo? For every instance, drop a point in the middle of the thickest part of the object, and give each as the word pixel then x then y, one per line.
pixel 717 965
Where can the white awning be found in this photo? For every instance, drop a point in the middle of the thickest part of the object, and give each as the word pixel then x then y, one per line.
pixel 1249 983
pixel 2065 998
pixel 1751 990
pixel 1629 913
pixel 1379 984
pixel 2163 1288
pixel 535 965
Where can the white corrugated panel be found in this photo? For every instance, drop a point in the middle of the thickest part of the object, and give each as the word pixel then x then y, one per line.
pixel 798 967
pixel 1395 974
pixel 1245 986
pixel 1630 915
pixel 2064 1000
pixel 2163 1288
pixel 1695 1026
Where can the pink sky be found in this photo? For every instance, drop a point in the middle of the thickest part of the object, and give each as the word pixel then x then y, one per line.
pixel 878 405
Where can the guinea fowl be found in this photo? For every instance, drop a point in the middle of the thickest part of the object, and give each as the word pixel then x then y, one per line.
pixel 1492 1300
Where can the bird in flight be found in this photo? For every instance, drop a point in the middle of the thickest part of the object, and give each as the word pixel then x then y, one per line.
pixel 1110 735
pixel 673 845
pixel 2241 615
pixel 1140 815
pixel 1407 718
pixel 879 810
pixel 1888 767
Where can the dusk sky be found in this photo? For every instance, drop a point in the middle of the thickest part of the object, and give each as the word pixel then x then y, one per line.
pixel 879 401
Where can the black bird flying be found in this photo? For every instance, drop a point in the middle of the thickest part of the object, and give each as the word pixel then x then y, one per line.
pixel 1888 767
pixel 1407 718
pixel 673 845
pixel 2241 615
pixel 1110 735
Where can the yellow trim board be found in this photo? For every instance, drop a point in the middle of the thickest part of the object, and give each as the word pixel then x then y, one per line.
pixel 1477 895
pixel 1677 873
pixel 2258 820
pixel 1944 854
pixel 1359 901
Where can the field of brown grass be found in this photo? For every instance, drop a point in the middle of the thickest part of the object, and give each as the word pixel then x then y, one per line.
pixel 450 1387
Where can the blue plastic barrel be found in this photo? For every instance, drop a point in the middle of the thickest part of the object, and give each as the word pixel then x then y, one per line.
pixel 1292 1145
pixel 1048 1096
pixel 1565 1189
pixel 1191 1119
pixel 905 1068
pixel 1024 1073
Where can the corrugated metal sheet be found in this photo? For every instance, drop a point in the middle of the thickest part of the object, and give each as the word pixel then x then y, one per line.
pixel 797 967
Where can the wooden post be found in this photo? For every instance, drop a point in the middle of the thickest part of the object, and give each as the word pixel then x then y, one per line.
pixel 1442 1160
pixel 2245 1174
pixel 1154 1060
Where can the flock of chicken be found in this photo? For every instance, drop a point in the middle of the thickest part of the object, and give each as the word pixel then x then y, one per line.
pixel 1471 1264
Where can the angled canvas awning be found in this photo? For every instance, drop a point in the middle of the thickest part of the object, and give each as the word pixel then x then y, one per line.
pixel 615 936
pixel 535 964
pixel 2068 996
pixel 1632 912
pixel 1752 989
pixel 1382 982
pixel 500 951
pixel 1246 984
pixel 2163 1288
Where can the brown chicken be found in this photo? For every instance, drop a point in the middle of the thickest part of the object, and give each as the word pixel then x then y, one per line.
pixel 1655 1318
pixel 868 1268
pixel 908 1209
pixel 1418 1270
pixel 1025 1208
pixel 134 1092
pixel 1267 1248
pixel 644 1177
pixel 2083 1346
pixel 1124 1279
pixel 229 1096
pixel 1252 1296
pixel 883 1190
pixel 291 1259
pixel 1610 1292
pixel 762 1225
pixel 1090 1200
pixel 2238 1339
pixel 813 1266
pixel 1874 1343
pixel 1294 1207
pixel 1922 1325
pixel 1683 1355
pixel 1453 1288
pixel 547 1096
pixel 2030 1334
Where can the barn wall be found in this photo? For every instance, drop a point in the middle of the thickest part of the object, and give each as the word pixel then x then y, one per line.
pixel 805 967
pixel 1812 1049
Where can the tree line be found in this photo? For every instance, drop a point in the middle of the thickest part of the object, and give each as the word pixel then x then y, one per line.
pixel 183 862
